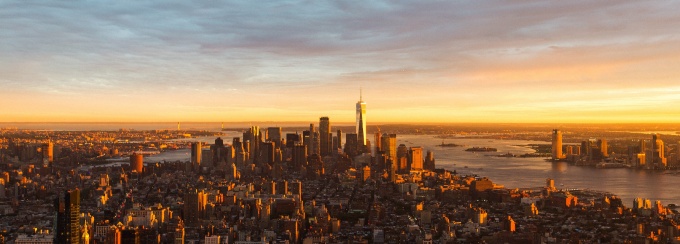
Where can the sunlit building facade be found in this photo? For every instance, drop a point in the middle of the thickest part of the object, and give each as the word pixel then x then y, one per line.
pixel 361 121
pixel 557 145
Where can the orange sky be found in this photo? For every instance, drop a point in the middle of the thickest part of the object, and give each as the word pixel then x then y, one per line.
pixel 572 61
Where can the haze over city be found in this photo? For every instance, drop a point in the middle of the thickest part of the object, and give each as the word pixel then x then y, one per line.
pixel 511 61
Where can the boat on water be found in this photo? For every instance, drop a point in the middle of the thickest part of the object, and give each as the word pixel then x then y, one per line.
pixel 148 151
pixel 450 145
pixel 482 149
pixel 610 165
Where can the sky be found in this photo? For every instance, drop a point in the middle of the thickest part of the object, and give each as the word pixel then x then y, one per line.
pixel 416 61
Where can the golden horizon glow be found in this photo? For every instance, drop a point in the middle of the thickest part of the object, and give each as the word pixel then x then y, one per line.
pixel 446 62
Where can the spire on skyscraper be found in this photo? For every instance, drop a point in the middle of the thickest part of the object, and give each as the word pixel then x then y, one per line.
pixel 361 94
pixel 361 119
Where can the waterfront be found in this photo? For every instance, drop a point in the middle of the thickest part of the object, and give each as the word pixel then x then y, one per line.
pixel 531 172
pixel 517 172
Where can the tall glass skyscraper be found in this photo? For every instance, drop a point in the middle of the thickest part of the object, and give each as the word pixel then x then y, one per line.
pixel 557 145
pixel 67 221
pixel 361 121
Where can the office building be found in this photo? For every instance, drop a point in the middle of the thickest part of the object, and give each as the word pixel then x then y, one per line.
pixel 361 121
pixel 292 139
pixel 602 144
pixel 658 152
pixel 196 153
pixel 339 136
pixel 378 142
pixel 299 157
pixel 325 136
pixel 429 161
pixel 416 158
pixel 274 135
pixel 557 145
pixel 252 140
pixel 67 221
pixel 137 162
pixel 351 144
pixel 402 159
pixel 389 145
pixel 194 206
pixel 268 152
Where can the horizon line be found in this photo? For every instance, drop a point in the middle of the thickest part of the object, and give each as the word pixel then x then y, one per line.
pixel 307 122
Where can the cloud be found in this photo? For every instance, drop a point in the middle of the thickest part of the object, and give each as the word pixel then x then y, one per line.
pixel 407 53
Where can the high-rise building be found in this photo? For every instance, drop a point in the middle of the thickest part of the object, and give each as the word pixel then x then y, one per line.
pixel 239 152
pixel 274 135
pixel 299 157
pixel 402 159
pixel 267 151
pixel 557 145
pixel 416 158
pixel 196 151
pixel 365 173
pixel 392 170
pixel 311 140
pixel 219 153
pixel 317 144
pixel 194 206
pixel 137 162
pixel 361 121
pixel 67 225
pixel 389 145
pixel 339 135
pixel 351 144
pixel 602 144
pixel 658 151
pixel 378 142
pixel 292 139
pixel 429 161
pixel 48 152
pixel 325 136
pixel 253 138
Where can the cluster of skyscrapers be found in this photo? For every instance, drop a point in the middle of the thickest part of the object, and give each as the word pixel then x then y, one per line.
pixel 594 151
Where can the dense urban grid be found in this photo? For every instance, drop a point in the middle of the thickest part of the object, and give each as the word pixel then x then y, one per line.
pixel 317 186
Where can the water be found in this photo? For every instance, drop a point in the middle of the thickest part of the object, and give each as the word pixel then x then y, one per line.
pixel 531 172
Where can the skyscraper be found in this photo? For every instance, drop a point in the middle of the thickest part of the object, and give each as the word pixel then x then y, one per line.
pixel 67 226
pixel 196 153
pixel 658 151
pixel 361 121
pixel 274 135
pixel 429 161
pixel 389 145
pixel 602 144
pixel 557 145
pixel 253 138
pixel 339 135
pixel 325 136
pixel 194 205
pixel 378 142
pixel 351 144
pixel 311 140
pixel 137 162
pixel 416 158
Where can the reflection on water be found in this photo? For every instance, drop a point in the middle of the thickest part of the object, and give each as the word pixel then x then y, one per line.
pixel 559 167
pixel 531 172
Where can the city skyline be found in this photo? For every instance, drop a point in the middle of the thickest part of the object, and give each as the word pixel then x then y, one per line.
pixel 437 62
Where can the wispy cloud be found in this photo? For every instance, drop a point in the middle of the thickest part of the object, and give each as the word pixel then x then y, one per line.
pixel 443 56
